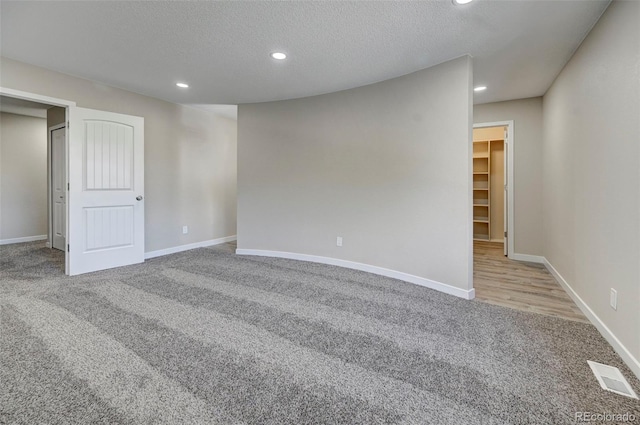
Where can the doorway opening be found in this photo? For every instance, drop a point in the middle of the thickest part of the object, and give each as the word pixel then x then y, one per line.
pixel 104 183
pixel 489 183
pixel 103 186
pixel 492 185
pixel 34 143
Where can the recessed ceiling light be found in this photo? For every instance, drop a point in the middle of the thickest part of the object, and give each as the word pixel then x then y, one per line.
pixel 182 85
pixel 278 55
pixel 480 88
pixel 462 1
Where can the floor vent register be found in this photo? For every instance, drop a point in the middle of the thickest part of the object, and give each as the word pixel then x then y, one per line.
pixel 611 379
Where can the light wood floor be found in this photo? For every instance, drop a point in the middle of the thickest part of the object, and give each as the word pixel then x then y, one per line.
pixel 516 284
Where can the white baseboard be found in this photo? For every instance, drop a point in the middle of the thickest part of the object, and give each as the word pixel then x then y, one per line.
pixel 25 239
pixel 622 351
pixel 173 250
pixel 432 284
pixel 528 258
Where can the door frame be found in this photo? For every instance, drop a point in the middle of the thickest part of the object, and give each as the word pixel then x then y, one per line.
pixel 509 178
pixel 50 181
pixel 63 103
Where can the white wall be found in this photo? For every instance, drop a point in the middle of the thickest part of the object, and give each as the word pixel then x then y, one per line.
pixel 527 158
pixel 386 166
pixel 23 176
pixel 190 155
pixel 592 173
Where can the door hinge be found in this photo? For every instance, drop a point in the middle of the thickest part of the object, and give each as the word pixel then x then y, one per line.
pixel 67 186
pixel 68 125
pixel 505 234
pixel 68 249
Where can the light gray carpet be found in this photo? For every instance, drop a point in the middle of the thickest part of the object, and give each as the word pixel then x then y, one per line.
pixel 206 336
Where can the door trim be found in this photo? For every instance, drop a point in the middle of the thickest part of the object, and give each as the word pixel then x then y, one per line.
pixel 50 182
pixel 510 179
pixel 19 94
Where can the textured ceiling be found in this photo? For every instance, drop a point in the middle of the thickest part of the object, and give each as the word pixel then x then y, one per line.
pixel 222 48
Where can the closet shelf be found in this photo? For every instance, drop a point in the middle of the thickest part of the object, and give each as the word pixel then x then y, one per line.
pixel 483 183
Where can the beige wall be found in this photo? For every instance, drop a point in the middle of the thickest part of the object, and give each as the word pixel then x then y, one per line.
pixel 190 155
pixel 23 176
pixel 592 172
pixel 527 117
pixel 56 115
pixel 386 166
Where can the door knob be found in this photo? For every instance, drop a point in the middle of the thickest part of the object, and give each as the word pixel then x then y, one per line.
pixel 139 198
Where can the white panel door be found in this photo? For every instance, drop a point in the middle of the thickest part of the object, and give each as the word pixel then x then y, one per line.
pixel 58 188
pixel 106 177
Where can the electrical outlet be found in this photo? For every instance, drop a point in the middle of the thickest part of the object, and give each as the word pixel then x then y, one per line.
pixel 339 241
pixel 614 299
pixel 185 230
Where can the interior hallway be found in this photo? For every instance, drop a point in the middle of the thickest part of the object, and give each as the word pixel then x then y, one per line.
pixel 520 285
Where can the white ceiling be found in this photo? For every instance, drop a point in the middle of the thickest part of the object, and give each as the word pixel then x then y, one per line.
pixel 222 48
